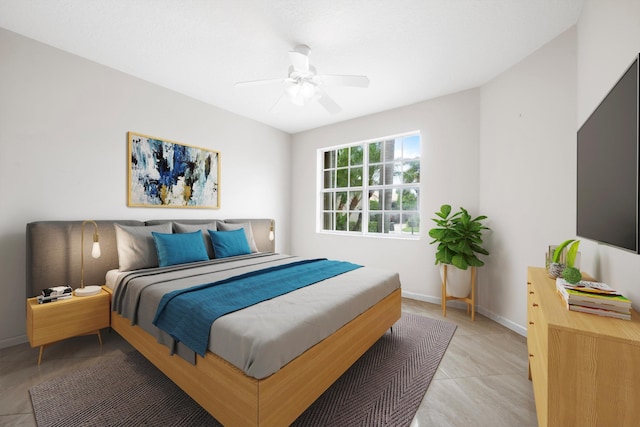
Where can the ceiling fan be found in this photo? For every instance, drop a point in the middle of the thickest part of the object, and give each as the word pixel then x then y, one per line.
pixel 304 86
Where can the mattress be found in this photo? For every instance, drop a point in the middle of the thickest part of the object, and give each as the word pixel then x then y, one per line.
pixel 261 339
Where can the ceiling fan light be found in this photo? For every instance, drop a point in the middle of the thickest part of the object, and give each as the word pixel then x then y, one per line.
pixel 293 90
pixel 295 95
pixel 301 93
pixel 308 90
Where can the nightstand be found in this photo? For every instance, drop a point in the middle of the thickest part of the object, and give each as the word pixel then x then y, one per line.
pixel 55 321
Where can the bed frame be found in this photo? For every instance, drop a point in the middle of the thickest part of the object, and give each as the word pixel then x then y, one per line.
pixel 229 395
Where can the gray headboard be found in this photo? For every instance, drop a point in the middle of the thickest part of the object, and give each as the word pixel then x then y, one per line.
pixel 53 249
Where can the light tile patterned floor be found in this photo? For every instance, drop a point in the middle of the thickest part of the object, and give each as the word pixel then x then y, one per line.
pixel 481 381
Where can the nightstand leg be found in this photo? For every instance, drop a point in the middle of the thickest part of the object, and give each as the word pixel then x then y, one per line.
pixel 89 333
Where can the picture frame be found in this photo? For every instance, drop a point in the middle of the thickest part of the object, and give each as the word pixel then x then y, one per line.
pixel 169 174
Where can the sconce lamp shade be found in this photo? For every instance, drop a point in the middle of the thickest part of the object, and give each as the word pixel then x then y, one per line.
pixel 271 232
pixel 95 253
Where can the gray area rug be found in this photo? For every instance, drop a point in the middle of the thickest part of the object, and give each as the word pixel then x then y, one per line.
pixel 383 388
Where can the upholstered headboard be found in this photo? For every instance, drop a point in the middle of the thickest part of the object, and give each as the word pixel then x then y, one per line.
pixel 53 249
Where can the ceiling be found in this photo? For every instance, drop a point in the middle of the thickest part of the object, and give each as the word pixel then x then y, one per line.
pixel 411 50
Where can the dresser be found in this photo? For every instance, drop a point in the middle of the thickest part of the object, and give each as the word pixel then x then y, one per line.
pixel 585 368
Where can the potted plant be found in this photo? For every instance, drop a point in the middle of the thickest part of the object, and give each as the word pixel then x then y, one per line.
pixel 459 237
pixel 563 260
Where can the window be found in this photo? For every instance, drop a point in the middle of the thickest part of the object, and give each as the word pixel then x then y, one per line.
pixel 372 187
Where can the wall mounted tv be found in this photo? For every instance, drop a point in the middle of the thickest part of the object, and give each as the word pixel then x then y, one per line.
pixel 608 175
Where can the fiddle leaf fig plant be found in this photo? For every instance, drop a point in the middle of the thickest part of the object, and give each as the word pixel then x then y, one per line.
pixel 459 237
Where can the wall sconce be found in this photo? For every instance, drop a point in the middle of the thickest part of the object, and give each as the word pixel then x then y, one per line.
pixel 83 290
pixel 271 232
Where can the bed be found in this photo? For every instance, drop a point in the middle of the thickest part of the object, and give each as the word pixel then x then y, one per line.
pixel 231 392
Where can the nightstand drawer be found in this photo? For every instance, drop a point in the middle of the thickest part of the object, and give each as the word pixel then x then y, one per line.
pixel 56 321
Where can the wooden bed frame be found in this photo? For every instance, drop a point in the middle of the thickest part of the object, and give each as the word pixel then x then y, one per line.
pixel 227 393
pixel 235 399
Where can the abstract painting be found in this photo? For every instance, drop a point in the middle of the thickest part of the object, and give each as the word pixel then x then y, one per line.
pixel 165 173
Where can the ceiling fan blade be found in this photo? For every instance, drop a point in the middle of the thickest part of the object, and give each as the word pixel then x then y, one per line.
pixel 300 58
pixel 259 82
pixel 328 103
pixel 344 80
pixel 275 104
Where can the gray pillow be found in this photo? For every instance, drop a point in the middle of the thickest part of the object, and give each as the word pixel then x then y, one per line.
pixel 190 228
pixel 248 231
pixel 136 248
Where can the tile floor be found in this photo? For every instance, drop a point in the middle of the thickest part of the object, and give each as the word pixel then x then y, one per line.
pixel 481 381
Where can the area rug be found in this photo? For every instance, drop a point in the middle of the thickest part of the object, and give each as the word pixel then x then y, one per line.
pixel 383 388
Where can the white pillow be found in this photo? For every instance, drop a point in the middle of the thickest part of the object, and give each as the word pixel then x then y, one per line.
pixel 190 228
pixel 248 231
pixel 136 248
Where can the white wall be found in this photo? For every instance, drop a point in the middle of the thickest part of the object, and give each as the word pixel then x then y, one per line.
pixel 527 171
pixel 63 154
pixel 608 41
pixel 449 174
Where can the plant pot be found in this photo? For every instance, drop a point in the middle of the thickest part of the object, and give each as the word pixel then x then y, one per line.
pixel 555 269
pixel 458 281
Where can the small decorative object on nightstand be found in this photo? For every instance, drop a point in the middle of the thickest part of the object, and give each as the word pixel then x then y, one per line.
pixel 85 291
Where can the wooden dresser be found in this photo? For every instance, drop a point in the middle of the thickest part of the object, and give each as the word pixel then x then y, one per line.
pixel 585 368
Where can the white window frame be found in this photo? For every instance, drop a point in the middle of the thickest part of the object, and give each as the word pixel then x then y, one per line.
pixel 366 188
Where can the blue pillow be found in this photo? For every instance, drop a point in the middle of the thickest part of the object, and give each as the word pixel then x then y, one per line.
pixel 179 248
pixel 229 243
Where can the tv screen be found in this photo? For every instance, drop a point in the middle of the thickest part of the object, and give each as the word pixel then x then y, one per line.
pixel 607 196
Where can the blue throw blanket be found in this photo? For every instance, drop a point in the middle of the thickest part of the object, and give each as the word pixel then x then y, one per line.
pixel 187 314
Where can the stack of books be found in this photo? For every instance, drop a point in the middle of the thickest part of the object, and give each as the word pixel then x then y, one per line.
pixel 54 294
pixel 594 297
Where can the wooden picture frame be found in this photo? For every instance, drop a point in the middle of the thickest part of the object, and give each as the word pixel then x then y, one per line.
pixel 164 173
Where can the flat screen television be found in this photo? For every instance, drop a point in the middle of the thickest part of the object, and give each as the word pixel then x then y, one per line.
pixel 608 175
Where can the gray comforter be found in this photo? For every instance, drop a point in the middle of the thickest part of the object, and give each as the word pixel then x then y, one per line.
pixel 262 338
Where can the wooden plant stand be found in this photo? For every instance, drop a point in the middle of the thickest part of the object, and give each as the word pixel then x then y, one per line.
pixel 470 300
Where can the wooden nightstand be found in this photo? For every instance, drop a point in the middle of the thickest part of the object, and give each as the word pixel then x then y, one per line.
pixel 55 321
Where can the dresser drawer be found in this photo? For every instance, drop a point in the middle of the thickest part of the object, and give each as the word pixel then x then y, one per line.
pixel 537 335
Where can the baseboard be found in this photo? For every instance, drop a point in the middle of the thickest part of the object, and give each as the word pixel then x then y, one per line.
pixel 10 342
pixel 433 300
pixel 519 329
pixel 420 297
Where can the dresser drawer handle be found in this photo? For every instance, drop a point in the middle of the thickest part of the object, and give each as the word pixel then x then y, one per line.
pixel 530 355
pixel 531 292
pixel 531 323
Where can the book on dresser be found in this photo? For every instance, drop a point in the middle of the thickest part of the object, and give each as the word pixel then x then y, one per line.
pixel 600 311
pixel 595 298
